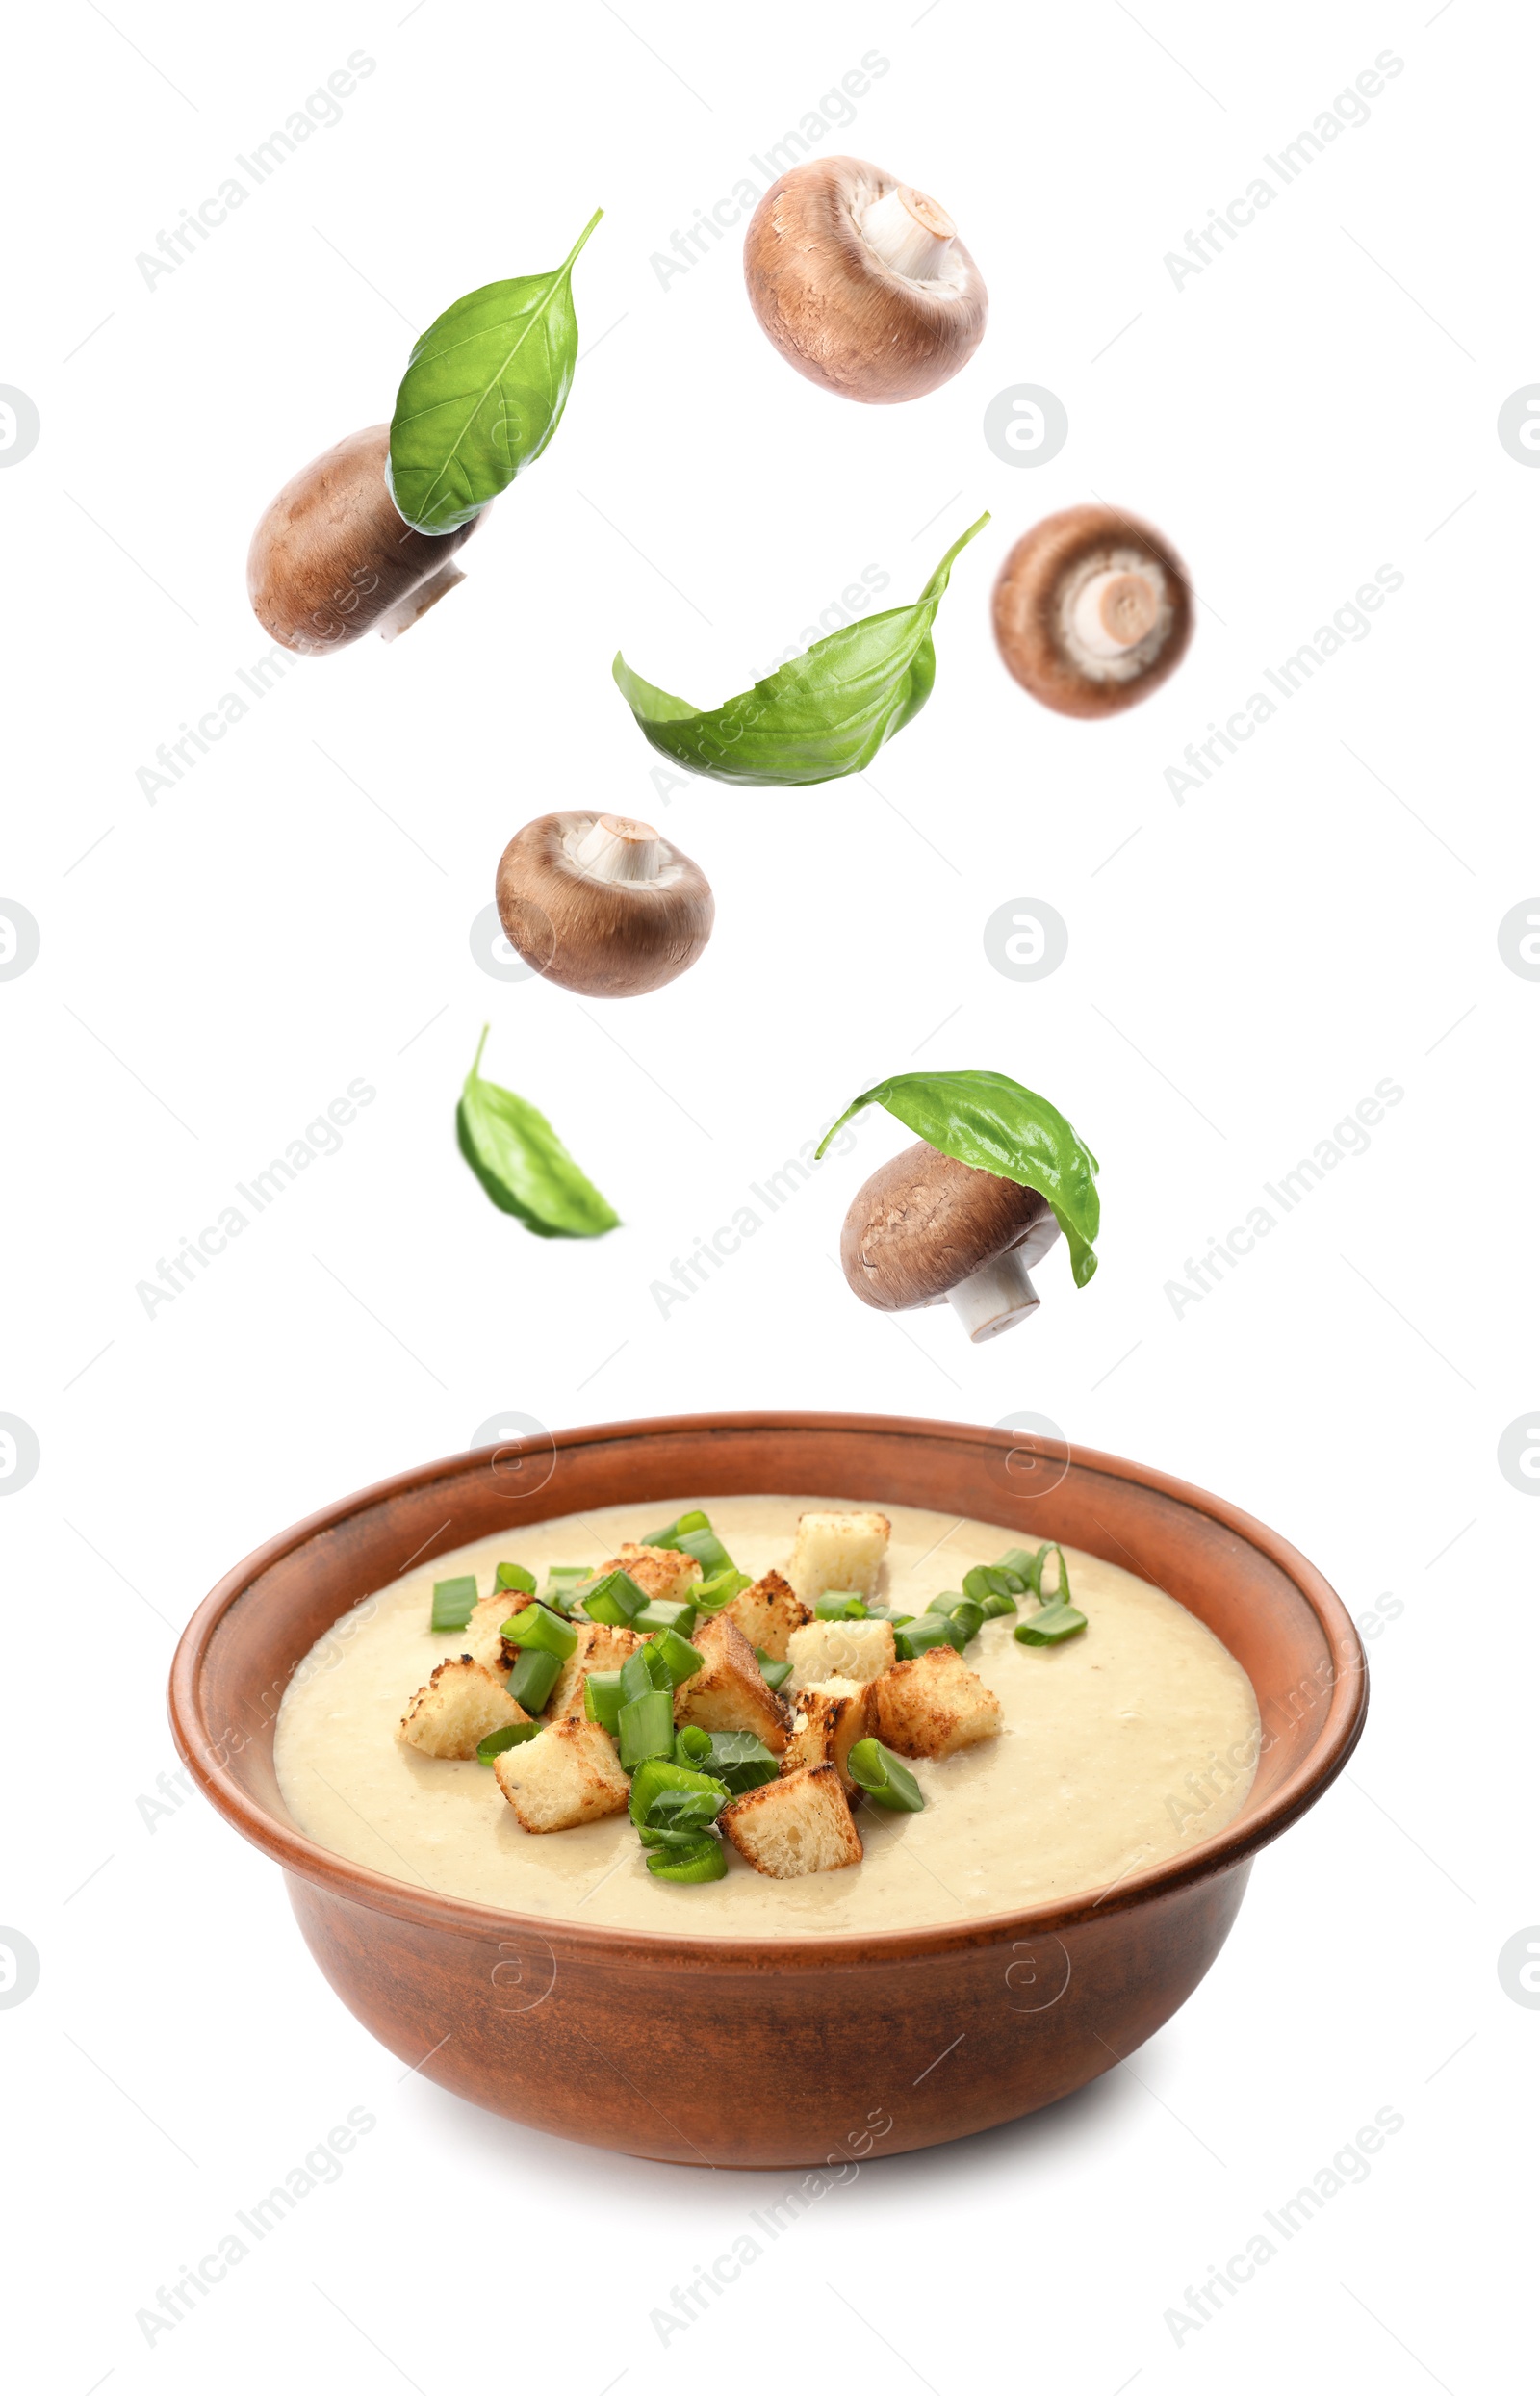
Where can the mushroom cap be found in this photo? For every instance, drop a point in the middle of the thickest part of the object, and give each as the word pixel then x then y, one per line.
pixel 924 1222
pixel 608 939
pixel 835 309
pixel 331 554
pixel 1036 592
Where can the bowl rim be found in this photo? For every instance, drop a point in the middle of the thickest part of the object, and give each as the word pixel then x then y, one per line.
pixel 197 1742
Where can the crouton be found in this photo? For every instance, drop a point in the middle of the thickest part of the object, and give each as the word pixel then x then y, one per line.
pixel 664 1572
pixel 767 1614
pixel 730 1691
pixel 839 1651
pixel 602 1647
pixel 482 1636
pixel 829 1719
pixel 837 1551
pixel 787 1827
pixel 455 1709
pixel 934 1705
pixel 570 1774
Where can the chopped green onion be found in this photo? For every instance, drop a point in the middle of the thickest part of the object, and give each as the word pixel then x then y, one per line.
pixel 614 1599
pixel 644 1670
pixel 660 1614
pixel 691 1747
pixel 1016 1560
pixel 711 1595
pixel 704 1859
pixel 659 1773
pixel 453 1602
pixel 564 1586
pixel 515 1577
pixel 564 1581
pixel 693 1535
pixel 1054 1623
pixel 706 1549
pixel 533 1678
pixel 662 1839
pixel 995 1606
pixel 1057 1618
pixel 987 1580
pixel 925 1632
pixel 538 1627
pixel 738 1760
pixel 601 1700
pixel 776 1675
pixel 680 1659
pixel 841 1606
pixel 669 1535
pixel 511 1735
pixel 646 1729
pixel 1039 1565
pixel 888 1613
pixel 874 1769
pixel 673 1812
pixel 966 1611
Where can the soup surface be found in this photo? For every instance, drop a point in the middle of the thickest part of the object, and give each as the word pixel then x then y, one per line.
pixel 1124 1745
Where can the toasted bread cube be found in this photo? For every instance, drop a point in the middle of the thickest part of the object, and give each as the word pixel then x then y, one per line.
pixel 839 1651
pixel 786 1828
pixel 602 1647
pixel 828 1720
pixel 482 1636
pixel 767 1614
pixel 730 1691
pixel 837 1551
pixel 570 1774
pixel 664 1572
pixel 455 1708
pixel 933 1705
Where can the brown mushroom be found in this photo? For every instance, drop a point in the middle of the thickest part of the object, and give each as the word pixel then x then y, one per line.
pixel 603 904
pixel 860 281
pixel 927 1230
pixel 331 559
pixel 1092 610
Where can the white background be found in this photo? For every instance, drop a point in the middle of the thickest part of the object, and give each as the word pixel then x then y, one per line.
pixel 1243 968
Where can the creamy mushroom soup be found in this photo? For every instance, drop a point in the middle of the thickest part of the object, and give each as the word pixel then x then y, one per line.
pixel 1127 1744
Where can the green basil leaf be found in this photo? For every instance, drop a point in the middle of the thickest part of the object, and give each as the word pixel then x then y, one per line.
pixel 990 1120
pixel 824 715
pixel 482 394
pixel 522 1165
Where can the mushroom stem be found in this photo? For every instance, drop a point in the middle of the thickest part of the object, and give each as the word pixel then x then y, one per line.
pixel 911 234
pixel 994 1298
pixel 616 848
pixel 1115 611
pixel 407 612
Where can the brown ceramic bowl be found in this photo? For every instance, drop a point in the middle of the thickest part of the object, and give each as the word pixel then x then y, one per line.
pixel 763 2051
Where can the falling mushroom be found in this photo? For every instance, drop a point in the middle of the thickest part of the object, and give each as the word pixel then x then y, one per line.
pixel 364 538
pixel 1092 610
pixel 926 1229
pixel 603 904
pixel 997 1174
pixel 862 283
pixel 332 560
